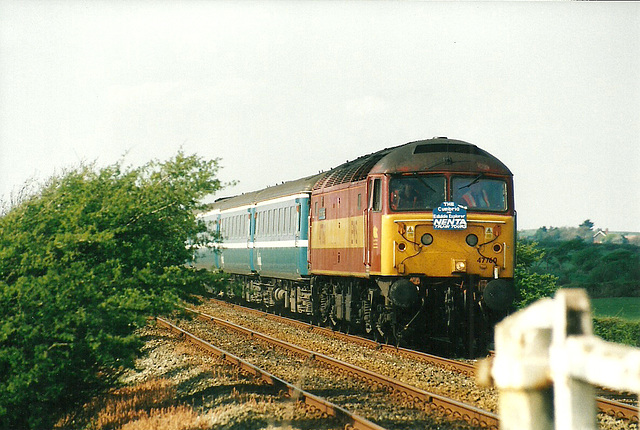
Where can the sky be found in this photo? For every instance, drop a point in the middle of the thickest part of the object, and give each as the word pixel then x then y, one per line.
pixel 282 90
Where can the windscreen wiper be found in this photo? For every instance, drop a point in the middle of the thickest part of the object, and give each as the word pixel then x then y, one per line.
pixel 424 182
pixel 475 181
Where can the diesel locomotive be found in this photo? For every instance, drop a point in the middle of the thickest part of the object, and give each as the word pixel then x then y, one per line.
pixel 413 245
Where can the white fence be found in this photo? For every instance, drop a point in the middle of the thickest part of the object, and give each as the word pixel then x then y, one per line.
pixel 547 358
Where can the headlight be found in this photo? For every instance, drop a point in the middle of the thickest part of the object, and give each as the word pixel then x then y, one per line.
pixel 459 265
pixel 472 240
pixel 426 239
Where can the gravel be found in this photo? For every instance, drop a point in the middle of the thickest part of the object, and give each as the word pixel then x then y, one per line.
pixel 352 394
pixel 416 373
pixel 224 397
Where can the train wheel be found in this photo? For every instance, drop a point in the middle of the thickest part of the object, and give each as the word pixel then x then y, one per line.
pixel 378 337
pixel 345 327
pixel 384 335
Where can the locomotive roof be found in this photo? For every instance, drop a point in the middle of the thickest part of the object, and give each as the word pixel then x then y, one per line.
pixel 437 154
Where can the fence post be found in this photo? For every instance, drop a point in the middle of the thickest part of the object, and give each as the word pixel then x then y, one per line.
pixel 520 369
pixel 574 398
pixel 547 361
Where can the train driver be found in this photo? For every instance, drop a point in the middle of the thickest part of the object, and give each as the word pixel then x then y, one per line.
pixel 404 196
pixel 476 197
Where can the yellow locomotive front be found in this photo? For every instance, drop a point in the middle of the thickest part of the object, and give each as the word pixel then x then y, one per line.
pixel 443 231
pixel 447 233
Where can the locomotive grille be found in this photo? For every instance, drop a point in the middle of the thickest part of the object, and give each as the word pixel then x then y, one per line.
pixel 351 171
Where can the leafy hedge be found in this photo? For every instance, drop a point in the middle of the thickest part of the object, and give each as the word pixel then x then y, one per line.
pixel 83 262
pixel 604 270
pixel 617 330
pixel 531 286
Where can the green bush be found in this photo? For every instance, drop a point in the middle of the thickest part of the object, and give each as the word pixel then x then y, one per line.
pixel 531 286
pixel 604 270
pixel 617 330
pixel 83 262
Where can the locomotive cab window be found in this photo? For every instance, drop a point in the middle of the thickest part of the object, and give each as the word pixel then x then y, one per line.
pixel 376 193
pixel 478 193
pixel 407 193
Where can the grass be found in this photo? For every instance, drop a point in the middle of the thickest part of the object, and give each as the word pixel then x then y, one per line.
pixel 627 308
pixel 148 406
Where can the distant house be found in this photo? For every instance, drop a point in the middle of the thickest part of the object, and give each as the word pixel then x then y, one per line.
pixel 599 236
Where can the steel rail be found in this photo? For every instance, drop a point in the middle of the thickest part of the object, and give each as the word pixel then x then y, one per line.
pixel 618 410
pixel 612 408
pixel 312 401
pixel 466 369
pixel 449 407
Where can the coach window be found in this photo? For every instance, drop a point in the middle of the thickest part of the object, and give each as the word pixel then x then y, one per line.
pixel 269 223
pixel 256 221
pixel 295 216
pixel 285 220
pixel 292 221
pixel 246 225
pixel 274 222
pixel 234 223
pixel 236 226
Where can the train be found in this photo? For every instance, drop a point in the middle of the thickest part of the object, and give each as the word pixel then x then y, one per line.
pixel 412 245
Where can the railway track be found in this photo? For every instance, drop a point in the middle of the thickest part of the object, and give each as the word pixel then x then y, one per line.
pixel 610 407
pixel 618 410
pixel 422 399
pixel 315 403
pixel 461 367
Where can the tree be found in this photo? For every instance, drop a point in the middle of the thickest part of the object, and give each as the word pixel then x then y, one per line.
pixel 83 262
pixel 587 224
pixel 530 285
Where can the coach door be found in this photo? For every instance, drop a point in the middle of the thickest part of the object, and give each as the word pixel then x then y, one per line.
pixel 373 220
